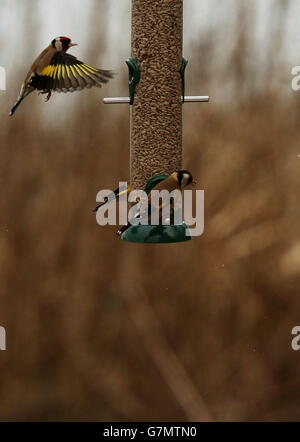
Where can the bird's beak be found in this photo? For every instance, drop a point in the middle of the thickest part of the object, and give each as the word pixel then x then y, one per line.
pixel 73 44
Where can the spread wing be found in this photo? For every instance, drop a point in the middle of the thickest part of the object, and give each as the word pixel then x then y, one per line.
pixel 67 74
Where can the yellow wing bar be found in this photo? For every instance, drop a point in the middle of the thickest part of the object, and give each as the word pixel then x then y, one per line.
pixel 56 71
pixel 48 70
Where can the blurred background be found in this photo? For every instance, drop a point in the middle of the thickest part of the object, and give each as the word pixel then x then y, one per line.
pixel 101 329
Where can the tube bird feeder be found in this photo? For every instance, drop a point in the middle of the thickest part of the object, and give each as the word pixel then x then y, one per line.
pixel 156 93
pixel 156 119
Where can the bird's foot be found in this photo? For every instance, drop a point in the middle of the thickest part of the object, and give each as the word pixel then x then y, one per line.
pixel 46 92
pixel 48 96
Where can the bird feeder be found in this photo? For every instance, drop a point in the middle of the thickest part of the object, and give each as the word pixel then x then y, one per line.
pixel 156 95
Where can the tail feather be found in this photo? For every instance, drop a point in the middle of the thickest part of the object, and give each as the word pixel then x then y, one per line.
pixel 23 93
pixel 123 229
pixel 17 103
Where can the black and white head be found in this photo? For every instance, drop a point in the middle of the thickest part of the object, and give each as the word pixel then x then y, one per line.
pixel 62 44
pixel 183 177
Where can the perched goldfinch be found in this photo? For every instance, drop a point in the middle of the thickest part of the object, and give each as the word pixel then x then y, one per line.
pixel 177 180
pixel 116 193
pixel 55 70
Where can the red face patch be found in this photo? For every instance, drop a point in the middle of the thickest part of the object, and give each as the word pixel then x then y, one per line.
pixel 65 43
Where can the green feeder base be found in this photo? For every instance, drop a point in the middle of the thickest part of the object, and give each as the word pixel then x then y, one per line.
pixel 157 234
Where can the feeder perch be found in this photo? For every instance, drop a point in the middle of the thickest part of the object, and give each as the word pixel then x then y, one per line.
pixel 187 99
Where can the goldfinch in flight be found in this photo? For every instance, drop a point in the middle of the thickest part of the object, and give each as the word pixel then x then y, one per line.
pixel 55 70
pixel 177 180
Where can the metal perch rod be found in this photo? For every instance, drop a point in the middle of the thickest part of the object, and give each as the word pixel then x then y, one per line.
pixel 187 99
